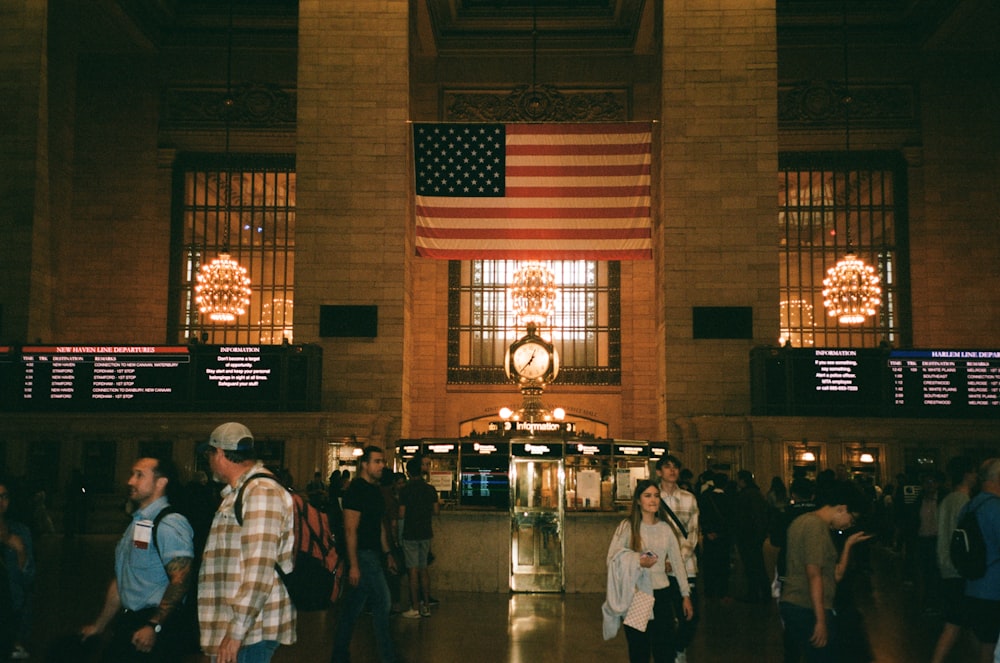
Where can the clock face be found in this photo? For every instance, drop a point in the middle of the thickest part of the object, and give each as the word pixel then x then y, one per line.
pixel 530 360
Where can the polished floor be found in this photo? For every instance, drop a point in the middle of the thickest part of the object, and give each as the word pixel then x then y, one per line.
pixel 510 628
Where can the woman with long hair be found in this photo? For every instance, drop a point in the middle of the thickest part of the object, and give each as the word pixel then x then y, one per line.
pixel 643 551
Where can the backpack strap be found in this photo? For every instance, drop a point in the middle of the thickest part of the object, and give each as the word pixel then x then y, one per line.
pixel 673 516
pixel 238 505
pixel 165 511
pixel 301 515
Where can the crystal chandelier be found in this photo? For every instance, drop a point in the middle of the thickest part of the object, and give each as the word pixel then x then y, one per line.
pixel 223 290
pixel 851 291
pixel 533 293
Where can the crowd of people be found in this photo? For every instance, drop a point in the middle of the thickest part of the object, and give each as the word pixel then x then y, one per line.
pixel 199 567
pixel 190 574
pixel 818 529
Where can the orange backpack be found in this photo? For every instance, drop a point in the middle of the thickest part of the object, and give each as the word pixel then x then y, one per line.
pixel 316 580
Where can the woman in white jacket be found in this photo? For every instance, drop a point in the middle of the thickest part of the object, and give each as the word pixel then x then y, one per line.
pixel 643 550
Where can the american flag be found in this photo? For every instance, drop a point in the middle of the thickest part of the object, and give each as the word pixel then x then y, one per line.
pixel 533 191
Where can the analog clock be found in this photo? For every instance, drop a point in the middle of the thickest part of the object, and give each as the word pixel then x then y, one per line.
pixel 530 360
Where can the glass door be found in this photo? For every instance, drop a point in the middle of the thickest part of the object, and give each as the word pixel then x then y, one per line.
pixel 537 525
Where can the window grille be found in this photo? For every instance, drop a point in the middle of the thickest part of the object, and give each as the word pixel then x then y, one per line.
pixel 819 194
pixel 259 224
pixel 585 327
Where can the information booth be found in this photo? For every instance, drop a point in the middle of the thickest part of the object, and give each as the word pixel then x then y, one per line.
pixel 656 451
pixel 443 471
pixel 631 465
pixel 484 474
pixel 538 495
pixel 588 465
pixel 405 450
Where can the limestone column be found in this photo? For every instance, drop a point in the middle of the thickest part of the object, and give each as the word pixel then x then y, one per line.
pixel 352 196
pixel 719 241
pixel 25 260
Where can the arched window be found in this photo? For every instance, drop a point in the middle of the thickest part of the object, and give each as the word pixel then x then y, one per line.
pixel 585 327
pixel 245 205
pixel 831 204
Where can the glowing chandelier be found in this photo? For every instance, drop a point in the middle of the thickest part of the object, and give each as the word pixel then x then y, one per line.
pixel 533 293
pixel 851 291
pixel 223 289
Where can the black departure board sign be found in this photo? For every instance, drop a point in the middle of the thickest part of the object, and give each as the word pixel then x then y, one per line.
pixel 103 377
pixel 580 448
pixel 160 378
pixel 837 382
pixel 963 383
pixel 226 376
pixel 7 381
pixel 875 382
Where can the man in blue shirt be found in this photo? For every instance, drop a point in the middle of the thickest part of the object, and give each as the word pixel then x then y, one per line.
pixel 151 577
pixel 982 596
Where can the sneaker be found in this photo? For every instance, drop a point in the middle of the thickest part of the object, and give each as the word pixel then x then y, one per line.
pixel 425 610
pixel 412 613
pixel 681 657
pixel 19 653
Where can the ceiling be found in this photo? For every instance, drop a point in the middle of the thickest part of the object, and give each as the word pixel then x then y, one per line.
pixel 502 26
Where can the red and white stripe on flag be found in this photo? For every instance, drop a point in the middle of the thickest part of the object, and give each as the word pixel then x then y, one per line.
pixel 533 191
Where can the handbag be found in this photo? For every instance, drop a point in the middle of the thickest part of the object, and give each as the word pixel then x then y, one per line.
pixel 640 610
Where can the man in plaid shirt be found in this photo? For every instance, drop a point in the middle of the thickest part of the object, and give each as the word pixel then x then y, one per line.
pixel 243 607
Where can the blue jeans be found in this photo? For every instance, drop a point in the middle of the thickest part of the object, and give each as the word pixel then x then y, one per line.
pixel 258 652
pixel 799 624
pixel 374 589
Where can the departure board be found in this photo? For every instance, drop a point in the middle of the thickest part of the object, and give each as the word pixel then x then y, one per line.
pixel 961 384
pixel 964 383
pixel 92 377
pixel 8 384
pixel 159 378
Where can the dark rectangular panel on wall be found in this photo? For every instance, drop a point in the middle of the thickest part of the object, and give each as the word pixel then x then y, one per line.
pixel 8 384
pixel 174 378
pixel 336 321
pixel 873 382
pixel 722 322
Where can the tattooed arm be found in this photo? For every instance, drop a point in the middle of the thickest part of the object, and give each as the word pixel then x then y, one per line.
pixel 179 571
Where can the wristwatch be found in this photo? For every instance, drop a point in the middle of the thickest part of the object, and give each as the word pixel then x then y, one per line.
pixel 155 626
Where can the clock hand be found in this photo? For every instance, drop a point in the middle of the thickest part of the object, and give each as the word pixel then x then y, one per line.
pixel 531 358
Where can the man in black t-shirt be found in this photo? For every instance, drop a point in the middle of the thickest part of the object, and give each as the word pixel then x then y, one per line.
pixel 367 543
pixel 418 502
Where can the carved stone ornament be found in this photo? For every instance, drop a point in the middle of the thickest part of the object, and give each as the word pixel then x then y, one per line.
pixel 255 105
pixel 540 103
pixel 821 103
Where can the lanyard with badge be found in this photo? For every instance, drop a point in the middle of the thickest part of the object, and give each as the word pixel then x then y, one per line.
pixel 142 534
